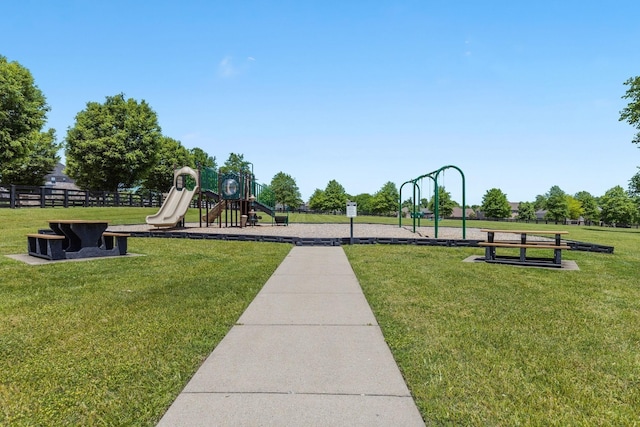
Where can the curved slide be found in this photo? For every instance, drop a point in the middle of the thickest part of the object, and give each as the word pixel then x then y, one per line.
pixel 177 202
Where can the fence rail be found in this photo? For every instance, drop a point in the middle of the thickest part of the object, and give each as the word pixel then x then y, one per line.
pixel 18 196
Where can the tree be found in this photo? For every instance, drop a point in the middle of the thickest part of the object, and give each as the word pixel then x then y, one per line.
pixel 112 145
pixel 202 159
pixel 171 155
pixel 617 207
pixel 557 206
pixel 589 204
pixel 335 197
pixel 23 111
pixel 316 201
pixel 41 160
pixel 634 184
pixel 365 203
pixel 385 201
pixel 236 164
pixel 540 203
pixel 575 207
pixel 445 204
pixel 408 204
pixel 495 204
pixel 286 190
pixel 526 211
pixel 631 113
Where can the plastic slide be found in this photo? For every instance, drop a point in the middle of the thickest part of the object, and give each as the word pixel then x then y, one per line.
pixel 177 202
pixel 214 213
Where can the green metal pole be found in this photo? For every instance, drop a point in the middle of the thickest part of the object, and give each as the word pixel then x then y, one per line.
pixel 436 207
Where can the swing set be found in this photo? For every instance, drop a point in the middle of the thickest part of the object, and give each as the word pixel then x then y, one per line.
pixel 436 202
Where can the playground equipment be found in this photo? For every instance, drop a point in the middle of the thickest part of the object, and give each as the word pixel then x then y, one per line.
pixel 434 177
pixel 236 196
pixel 177 202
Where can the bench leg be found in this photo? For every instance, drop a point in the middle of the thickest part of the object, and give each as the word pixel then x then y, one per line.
pixel 55 249
pixel 109 243
pixel 523 254
pixel 122 245
pixel 557 256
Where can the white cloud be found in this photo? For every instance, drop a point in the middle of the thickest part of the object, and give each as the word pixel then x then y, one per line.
pixel 226 68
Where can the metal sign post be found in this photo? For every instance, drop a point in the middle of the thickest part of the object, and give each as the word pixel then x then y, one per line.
pixel 352 212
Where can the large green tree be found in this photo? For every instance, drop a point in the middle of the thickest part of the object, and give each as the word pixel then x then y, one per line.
pixel 634 184
pixel 631 113
pixel 540 203
pixel 171 155
pixel 113 145
pixel 526 211
pixel 26 153
pixel 618 208
pixel 385 201
pixel 575 207
pixel 316 201
pixel 23 109
pixel 365 203
pixel 445 203
pixel 286 190
pixel 557 205
pixel 335 197
pixel 495 204
pixel 202 159
pixel 41 160
pixel 590 211
pixel 236 164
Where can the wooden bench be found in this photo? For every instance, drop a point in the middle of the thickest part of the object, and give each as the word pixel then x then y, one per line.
pixel 47 246
pixel 281 220
pixel 111 240
pixel 556 245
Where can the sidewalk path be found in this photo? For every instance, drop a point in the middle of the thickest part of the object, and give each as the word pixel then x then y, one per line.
pixel 306 352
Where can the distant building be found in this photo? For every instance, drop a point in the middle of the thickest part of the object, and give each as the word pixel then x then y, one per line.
pixel 57 179
pixel 457 213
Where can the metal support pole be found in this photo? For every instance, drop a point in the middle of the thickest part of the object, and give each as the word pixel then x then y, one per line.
pixel 351 238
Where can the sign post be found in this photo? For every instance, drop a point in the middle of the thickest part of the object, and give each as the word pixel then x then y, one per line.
pixel 352 212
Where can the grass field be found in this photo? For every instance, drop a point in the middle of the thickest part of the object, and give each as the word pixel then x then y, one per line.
pixel 483 344
pixel 113 341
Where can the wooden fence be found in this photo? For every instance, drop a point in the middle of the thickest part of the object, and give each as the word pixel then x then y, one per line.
pixel 18 196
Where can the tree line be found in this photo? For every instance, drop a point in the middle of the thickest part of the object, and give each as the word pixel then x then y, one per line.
pixel 615 207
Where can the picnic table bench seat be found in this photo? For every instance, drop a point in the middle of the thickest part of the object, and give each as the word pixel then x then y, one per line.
pixel 112 240
pixel 47 246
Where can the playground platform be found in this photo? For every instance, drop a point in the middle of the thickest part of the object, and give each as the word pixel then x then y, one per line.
pixel 307 351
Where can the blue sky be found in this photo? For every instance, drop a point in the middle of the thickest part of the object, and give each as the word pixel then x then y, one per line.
pixel 520 95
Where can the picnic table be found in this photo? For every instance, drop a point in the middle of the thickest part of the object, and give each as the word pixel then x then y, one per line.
pixel 72 239
pixel 523 244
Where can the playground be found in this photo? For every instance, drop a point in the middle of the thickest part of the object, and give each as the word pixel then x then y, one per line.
pixel 232 199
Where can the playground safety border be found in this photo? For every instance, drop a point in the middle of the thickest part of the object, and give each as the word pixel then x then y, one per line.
pixel 340 241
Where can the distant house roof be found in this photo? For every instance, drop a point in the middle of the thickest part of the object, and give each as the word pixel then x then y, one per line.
pixel 57 178
pixel 457 212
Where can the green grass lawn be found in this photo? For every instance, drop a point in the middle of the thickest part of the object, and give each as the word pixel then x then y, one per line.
pixel 113 341
pixel 483 344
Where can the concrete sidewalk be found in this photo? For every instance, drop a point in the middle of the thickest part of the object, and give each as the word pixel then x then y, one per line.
pixel 306 352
